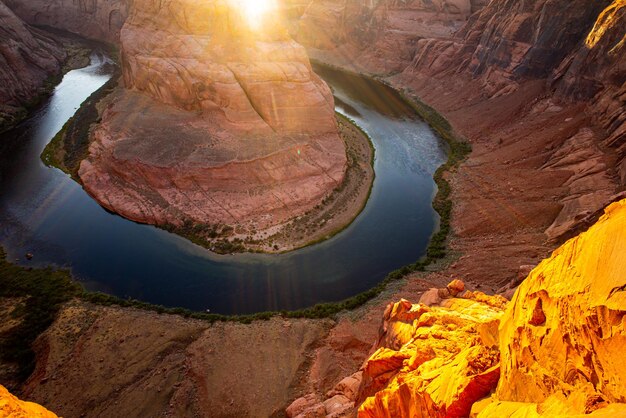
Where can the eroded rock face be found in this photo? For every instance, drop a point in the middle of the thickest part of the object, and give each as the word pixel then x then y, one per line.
pixel 97 19
pixel 27 59
pixel 220 123
pixel 596 71
pixel 564 331
pixel 509 41
pixel 10 406
pixel 555 350
pixel 433 361
pixel 377 36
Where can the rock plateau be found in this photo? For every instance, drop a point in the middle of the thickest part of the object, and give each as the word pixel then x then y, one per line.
pixel 218 123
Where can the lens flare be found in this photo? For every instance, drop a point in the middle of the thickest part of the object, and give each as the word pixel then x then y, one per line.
pixel 255 12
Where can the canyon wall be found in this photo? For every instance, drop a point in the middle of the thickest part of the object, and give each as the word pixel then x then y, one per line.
pixel 578 52
pixel 596 71
pixel 458 55
pixel 377 36
pixel 28 58
pixel 234 127
pixel 96 19
pixel 554 350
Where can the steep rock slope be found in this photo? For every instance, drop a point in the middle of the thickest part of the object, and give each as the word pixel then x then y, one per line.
pixel 564 331
pixel 536 88
pixel 27 59
pixel 377 36
pixel 596 71
pixel 220 122
pixel 114 362
pixel 554 350
pixel 96 19
pixel 10 406
pixel 579 50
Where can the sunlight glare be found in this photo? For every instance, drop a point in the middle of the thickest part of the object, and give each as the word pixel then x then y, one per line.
pixel 255 12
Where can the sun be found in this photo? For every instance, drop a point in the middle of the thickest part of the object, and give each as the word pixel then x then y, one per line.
pixel 255 12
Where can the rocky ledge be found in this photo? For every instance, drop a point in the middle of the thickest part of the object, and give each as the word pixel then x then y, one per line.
pixel 554 350
pixel 218 124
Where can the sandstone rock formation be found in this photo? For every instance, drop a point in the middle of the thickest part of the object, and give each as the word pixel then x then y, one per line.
pixel 221 123
pixel 96 19
pixel 377 36
pixel 28 57
pixel 467 53
pixel 564 331
pixel 12 407
pixel 554 350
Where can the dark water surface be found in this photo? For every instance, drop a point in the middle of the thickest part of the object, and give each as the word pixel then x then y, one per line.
pixel 44 212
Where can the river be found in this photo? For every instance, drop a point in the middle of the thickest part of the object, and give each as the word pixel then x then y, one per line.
pixel 44 212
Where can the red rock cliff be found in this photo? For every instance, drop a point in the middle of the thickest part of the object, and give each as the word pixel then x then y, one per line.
pixel 28 57
pixel 378 36
pixel 220 122
pixel 12 407
pixel 97 19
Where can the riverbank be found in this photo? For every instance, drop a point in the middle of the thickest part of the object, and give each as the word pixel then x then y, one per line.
pixel 334 214
pixel 343 346
pixel 338 210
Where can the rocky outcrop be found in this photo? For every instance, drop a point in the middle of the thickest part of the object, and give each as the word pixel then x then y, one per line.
pixel 555 350
pixel 508 42
pixel 96 361
pixel 10 406
pixel 28 58
pixel 233 128
pixel 96 19
pixel 563 333
pixel 596 71
pixel 377 36
pixel 575 54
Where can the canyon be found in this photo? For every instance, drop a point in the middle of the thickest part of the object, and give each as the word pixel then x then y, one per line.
pixel 537 88
pixel 29 59
pixel 257 143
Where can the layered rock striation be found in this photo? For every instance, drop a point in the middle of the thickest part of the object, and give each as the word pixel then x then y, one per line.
pixel 28 58
pixel 554 350
pixel 377 36
pixel 95 19
pixel 221 122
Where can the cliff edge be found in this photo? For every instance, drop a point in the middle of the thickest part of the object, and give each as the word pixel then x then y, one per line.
pixel 554 350
pixel 220 122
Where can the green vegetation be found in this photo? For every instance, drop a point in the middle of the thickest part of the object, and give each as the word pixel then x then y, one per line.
pixel 41 293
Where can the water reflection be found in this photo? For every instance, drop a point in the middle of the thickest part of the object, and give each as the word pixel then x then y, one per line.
pixel 44 212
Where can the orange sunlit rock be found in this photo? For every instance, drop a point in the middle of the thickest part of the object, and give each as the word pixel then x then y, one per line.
pixel 12 407
pixel 433 362
pixel 557 350
pixel 579 342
